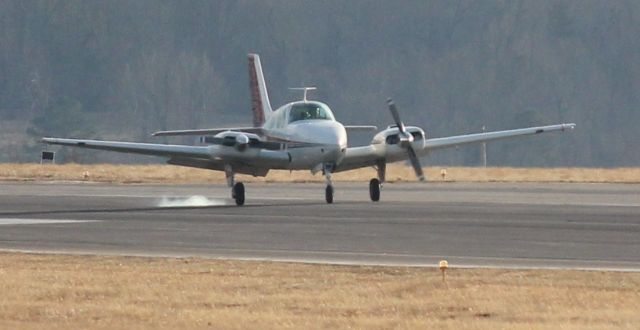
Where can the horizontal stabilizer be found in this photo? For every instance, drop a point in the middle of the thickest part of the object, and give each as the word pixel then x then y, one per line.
pixel 253 143
pixel 209 131
pixel 360 128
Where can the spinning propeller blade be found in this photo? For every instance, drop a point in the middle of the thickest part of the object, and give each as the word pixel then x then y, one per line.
pixel 415 161
pixel 395 115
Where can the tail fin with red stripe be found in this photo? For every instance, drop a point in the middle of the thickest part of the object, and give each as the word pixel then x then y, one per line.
pixel 259 97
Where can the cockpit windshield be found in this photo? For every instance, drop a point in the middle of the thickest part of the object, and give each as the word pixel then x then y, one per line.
pixel 309 111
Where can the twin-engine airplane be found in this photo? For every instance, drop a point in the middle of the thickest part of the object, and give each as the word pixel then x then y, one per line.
pixel 301 135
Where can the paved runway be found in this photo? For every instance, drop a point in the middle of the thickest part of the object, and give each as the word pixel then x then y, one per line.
pixel 594 226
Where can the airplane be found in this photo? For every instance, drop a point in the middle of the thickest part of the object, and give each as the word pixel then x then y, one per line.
pixel 300 135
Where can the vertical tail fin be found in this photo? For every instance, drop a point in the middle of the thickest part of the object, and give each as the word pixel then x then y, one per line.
pixel 259 97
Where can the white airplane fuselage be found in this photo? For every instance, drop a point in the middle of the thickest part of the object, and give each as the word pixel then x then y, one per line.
pixel 315 142
pixel 311 142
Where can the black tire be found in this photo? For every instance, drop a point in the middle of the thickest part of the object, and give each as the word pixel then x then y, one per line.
pixel 374 190
pixel 238 193
pixel 328 194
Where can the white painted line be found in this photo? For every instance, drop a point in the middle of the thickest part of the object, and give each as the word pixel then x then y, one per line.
pixel 10 221
pixel 156 196
pixel 429 261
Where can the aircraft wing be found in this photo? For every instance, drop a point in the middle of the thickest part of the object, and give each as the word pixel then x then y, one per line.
pixel 252 160
pixel 357 157
pixel 209 131
pixel 166 150
pixel 452 141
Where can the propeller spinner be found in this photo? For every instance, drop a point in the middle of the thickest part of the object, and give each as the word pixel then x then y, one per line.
pixel 405 140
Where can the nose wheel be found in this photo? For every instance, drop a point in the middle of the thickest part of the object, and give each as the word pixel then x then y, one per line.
pixel 328 191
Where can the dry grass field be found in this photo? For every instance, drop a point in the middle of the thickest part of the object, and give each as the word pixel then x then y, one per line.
pixel 91 292
pixel 395 173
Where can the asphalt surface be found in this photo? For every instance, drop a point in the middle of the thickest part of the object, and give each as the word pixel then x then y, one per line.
pixel 586 226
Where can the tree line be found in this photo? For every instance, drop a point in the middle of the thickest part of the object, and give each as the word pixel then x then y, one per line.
pixel 123 69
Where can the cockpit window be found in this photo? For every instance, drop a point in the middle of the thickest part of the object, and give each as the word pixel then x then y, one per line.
pixel 309 111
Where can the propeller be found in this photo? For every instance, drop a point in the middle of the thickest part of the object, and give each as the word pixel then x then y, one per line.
pixel 405 140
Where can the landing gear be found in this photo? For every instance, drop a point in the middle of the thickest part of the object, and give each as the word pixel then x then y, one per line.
pixel 238 193
pixel 328 191
pixel 237 189
pixel 374 189
pixel 328 194
pixel 376 184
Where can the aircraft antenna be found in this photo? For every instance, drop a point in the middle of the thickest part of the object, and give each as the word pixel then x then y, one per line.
pixel 304 89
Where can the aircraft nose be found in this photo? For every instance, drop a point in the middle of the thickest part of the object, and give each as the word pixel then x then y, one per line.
pixel 336 134
pixel 322 132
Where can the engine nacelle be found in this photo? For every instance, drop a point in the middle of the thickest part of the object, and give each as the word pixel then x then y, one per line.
pixel 391 136
pixel 242 141
pixel 238 140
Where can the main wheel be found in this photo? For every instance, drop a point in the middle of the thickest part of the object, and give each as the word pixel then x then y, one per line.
pixel 238 193
pixel 328 194
pixel 374 190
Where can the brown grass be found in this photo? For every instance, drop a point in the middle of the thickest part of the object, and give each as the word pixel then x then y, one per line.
pixel 395 172
pixel 87 292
